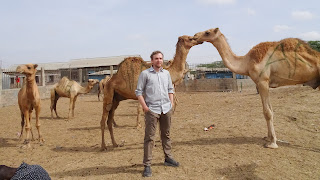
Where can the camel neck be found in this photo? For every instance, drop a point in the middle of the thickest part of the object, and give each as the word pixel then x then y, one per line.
pixel 30 84
pixel 85 90
pixel 237 64
pixel 177 68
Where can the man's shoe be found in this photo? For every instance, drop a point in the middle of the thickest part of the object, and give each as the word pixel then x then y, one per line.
pixel 171 162
pixel 147 171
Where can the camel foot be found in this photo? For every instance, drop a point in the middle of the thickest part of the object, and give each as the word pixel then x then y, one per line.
pixel 139 126
pixel 103 148
pixel 118 145
pixel 271 145
pixel 26 144
pixel 266 139
pixel 41 141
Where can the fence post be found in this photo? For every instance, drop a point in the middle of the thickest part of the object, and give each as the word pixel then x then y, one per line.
pixel 80 75
pixel 0 81
pixel 43 78
pixel 111 70
pixel 0 87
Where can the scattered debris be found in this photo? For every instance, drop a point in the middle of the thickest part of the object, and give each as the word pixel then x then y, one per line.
pixel 208 128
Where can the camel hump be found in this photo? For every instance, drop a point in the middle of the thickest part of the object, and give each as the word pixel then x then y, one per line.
pixel 287 45
pixel 65 84
pixel 130 69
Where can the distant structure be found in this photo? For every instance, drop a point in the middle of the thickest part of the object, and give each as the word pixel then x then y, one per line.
pixel 79 70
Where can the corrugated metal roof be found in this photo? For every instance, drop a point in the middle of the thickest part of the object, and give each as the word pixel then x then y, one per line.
pixel 79 63
pixel 96 62
pixel 103 72
pixel 46 66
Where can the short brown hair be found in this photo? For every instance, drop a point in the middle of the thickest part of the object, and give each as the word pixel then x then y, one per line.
pixel 154 53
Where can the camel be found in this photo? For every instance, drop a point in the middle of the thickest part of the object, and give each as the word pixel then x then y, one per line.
pixel 29 99
pixel 101 85
pixel 122 85
pixel 270 65
pixel 70 89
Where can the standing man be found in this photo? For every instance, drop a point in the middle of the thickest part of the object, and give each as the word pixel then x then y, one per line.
pixel 18 81
pixel 155 94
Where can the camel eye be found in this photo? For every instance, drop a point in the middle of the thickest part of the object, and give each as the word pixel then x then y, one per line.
pixel 29 67
pixel 207 33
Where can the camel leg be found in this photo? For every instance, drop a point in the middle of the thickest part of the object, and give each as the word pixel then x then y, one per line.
pixel 268 113
pixel 38 123
pixel 99 93
pixel 105 112
pixel 30 118
pixel 70 107
pixel 27 127
pixel 114 106
pixel 22 125
pixel 73 105
pixel 138 115
pixel 53 106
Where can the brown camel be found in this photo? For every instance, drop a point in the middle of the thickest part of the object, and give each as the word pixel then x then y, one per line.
pixel 122 85
pixel 269 64
pixel 29 99
pixel 70 89
pixel 101 85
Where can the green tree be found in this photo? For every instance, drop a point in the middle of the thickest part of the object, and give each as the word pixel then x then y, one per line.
pixel 315 45
pixel 216 64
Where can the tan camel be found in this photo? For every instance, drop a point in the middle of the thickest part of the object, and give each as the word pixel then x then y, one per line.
pixel 102 84
pixel 269 64
pixel 29 99
pixel 70 89
pixel 122 85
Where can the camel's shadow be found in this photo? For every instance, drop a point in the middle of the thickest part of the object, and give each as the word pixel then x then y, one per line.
pixel 5 142
pixel 54 119
pixel 97 148
pixel 240 172
pixel 84 128
pixel 102 170
pixel 241 140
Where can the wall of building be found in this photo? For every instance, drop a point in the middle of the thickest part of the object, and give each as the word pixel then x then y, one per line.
pixel 9 97
pixel 218 85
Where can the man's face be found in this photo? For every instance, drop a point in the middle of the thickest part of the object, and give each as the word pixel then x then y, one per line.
pixel 157 60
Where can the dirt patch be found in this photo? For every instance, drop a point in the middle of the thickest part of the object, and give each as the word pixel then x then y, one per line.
pixel 233 149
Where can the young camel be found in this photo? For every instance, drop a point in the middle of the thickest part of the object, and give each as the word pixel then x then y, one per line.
pixel 122 85
pixel 70 89
pixel 29 99
pixel 102 83
pixel 269 64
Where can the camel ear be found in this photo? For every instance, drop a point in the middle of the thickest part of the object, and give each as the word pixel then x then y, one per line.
pixel 180 39
pixel 216 30
pixel 35 66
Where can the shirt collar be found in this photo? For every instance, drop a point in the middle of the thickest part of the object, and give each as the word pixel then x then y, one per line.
pixel 151 69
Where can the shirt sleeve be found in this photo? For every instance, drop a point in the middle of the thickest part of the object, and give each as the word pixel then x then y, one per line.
pixel 170 87
pixel 141 84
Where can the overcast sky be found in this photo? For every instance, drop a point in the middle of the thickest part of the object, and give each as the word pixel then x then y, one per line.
pixel 41 31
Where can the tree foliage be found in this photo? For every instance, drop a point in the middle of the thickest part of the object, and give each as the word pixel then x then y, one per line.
pixel 216 64
pixel 315 45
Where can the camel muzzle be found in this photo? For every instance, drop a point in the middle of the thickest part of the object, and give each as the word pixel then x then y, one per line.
pixel 19 70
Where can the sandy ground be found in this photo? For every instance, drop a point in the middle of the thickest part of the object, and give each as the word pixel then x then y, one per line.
pixel 232 150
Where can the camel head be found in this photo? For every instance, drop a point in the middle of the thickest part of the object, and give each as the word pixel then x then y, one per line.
pixel 187 41
pixel 92 82
pixel 28 69
pixel 209 35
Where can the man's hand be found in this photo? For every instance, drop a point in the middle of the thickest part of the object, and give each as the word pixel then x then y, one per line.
pixel 145 109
